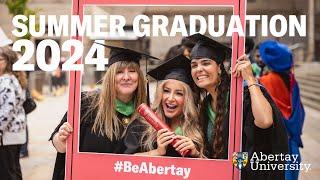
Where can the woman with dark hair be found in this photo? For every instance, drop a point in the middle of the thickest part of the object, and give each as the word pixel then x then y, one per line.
pixel 13 85
pixel 109 121
pixel 174 103
pixel 284 90
pixel 263 130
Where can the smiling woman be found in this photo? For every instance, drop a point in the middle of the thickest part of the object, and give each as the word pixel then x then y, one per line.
pixel 109 121
pixel 262 130
pixel 175 105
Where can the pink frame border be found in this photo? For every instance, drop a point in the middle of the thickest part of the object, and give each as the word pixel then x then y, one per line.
pixel 80 165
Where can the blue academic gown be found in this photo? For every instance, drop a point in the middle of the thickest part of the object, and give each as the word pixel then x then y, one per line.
pixel 294 126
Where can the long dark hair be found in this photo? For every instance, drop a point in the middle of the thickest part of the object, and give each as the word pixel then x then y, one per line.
pixel 286 77
pixel 217 147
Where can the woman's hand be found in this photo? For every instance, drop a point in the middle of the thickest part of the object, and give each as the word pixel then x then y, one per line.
pixel 243 68
pixel 184 144
pixel 261 108
pixel 64 131
pixel 164 138
pixel 59 139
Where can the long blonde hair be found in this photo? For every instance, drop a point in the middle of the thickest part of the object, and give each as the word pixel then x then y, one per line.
pixel 190 126
pixel 11 57
pixel 106 121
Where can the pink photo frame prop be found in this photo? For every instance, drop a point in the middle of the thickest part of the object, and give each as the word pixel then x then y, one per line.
pixel 82 165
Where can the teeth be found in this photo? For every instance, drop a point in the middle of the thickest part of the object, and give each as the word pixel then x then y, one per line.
pixel 170 106
pixel 202 77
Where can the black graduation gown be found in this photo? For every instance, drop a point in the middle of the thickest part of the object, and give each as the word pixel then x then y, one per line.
pixel 273 140
pixel 171 152
pixel 91 142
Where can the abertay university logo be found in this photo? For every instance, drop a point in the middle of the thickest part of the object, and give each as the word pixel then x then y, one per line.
pixel 240 159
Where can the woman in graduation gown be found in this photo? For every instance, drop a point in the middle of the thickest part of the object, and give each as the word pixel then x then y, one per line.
pixel 175 105
pixel 263 130
pixel 108 120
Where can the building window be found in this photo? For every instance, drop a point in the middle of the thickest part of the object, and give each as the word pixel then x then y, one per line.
pixel 317 6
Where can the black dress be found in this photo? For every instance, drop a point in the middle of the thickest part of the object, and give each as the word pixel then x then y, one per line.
pixel 91 142
pixel 272 140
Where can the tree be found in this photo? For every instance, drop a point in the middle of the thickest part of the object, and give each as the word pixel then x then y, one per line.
pixel 19 7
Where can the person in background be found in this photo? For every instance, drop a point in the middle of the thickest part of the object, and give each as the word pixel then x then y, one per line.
pixel 13 85
pixel 249 46
pixel 5 41
pixel 258 66
pixel 58 79
pixel 186 46
pixel 183 48
pixel 284 90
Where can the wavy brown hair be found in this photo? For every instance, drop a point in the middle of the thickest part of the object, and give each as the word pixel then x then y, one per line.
pixel 221 112
pixel 190 126
pixel 106 122
pixel 11 57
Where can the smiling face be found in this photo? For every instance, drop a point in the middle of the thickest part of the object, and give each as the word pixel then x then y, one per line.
pixel 173 98
pixel 205 73
pixel 126 83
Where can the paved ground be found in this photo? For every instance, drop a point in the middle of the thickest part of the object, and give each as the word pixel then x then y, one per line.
pixel 39 164
pixel 41 122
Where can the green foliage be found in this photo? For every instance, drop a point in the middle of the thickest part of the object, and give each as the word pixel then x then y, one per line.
pixel 19 7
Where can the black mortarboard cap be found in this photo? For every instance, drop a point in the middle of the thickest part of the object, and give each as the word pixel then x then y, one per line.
pixel 122 54
pixel 208 48
pixel 177 68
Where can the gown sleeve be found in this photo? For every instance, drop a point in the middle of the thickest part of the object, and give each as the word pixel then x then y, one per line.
pixel 59 167
pixel 63 120
pixel 273 140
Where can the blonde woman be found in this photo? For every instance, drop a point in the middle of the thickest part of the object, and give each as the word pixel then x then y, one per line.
pixel 174 104
pixel 109 121
pixel 13 85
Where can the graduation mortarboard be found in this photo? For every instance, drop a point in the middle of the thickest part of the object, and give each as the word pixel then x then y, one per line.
pixel 277 56
pixel 208 48
pixel 122 54
pixel 177 68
